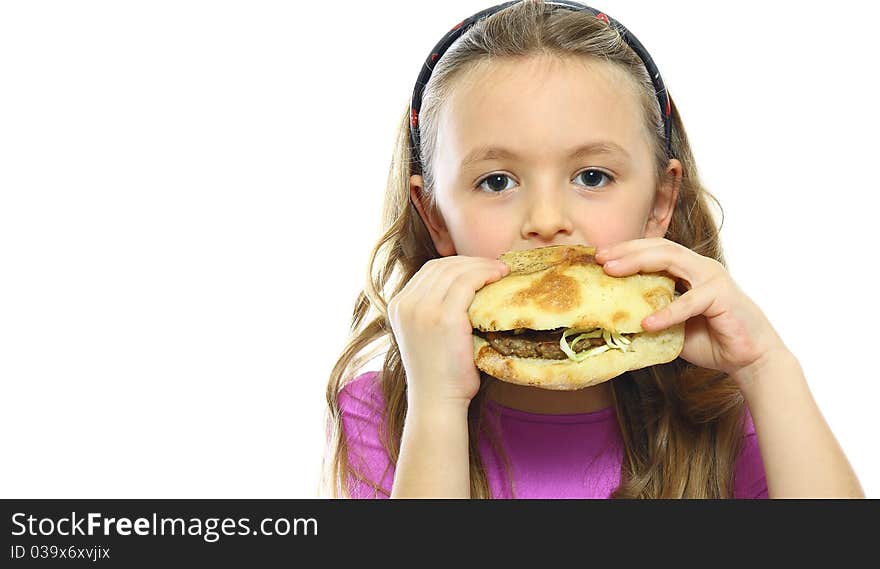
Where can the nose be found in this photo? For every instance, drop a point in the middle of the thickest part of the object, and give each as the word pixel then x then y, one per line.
pixel 547 217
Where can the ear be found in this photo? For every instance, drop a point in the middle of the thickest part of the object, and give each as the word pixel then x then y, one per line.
pixel 665 199
pixel 432 219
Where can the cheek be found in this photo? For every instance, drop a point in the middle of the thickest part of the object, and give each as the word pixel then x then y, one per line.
pixel 476 232
pixel 621 221
pixel 477 238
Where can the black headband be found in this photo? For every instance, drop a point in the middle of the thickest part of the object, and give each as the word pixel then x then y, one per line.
pixel 461 27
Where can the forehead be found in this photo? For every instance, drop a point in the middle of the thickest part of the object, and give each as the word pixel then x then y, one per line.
pixel 540 107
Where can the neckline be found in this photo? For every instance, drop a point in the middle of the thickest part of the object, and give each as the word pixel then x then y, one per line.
pixel 591 417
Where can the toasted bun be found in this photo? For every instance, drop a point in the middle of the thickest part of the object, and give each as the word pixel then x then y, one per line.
pixel 563 287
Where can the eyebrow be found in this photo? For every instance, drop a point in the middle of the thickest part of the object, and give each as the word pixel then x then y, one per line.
pixel 487 152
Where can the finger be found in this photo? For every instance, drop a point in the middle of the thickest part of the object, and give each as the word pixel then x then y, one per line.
pixel 418 286
pixel 692 303
pixel 431 273
pixel 437 277
pixel 616 250
pixel 671 257
pixel 462 291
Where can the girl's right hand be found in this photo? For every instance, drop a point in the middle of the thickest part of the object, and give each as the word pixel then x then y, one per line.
pixel 431 327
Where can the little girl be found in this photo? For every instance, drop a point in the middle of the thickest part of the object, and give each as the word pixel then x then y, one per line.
pixel 546 123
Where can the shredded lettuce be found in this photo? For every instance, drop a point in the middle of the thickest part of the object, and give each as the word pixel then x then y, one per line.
pixel 613 341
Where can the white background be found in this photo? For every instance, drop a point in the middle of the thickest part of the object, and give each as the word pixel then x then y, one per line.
pixel 189 190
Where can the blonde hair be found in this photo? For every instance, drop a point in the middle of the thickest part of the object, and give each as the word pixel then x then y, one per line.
pixel 681 425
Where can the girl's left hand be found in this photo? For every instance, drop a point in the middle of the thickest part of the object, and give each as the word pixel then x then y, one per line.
pixel 724 329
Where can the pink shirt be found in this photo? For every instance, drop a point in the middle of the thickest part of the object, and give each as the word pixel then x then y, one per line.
pixel 551 456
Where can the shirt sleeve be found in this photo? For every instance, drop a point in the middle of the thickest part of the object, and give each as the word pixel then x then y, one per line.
pixel 361 410
pixel 750 481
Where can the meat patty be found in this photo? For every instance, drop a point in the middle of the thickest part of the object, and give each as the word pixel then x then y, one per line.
pixel 535 343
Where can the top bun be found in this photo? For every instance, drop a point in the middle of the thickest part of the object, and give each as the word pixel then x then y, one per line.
pixel 562 286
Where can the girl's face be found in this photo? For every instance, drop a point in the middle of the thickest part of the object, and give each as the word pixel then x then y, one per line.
pixel 543 151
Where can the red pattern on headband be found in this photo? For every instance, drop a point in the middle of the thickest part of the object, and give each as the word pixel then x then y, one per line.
pixel 603 17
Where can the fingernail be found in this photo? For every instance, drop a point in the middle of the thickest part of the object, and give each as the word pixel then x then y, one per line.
pixel 611 264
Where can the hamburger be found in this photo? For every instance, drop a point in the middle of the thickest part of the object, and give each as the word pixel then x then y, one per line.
pixel 557 321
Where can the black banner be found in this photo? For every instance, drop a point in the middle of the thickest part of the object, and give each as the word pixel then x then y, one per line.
pixel 126 533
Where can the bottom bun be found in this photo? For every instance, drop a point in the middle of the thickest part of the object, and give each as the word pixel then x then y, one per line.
pixel 567 375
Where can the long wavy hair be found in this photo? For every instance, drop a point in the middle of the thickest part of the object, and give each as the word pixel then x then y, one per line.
pixel 681 425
